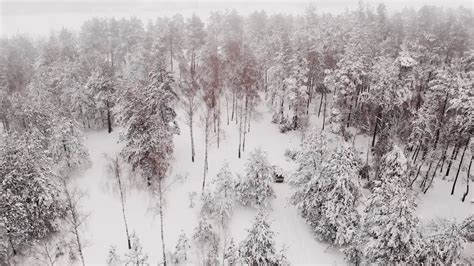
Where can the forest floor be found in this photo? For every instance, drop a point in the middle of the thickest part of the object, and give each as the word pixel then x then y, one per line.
pixel 104 226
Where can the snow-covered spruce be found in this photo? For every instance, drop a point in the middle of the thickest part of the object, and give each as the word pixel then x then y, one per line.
pixel 148 116
pixel 389 230
pixel 206 242
pixel 309 159
pixel 149 119
pixel 68 145
pixel 444 243
pixel 258 248
pixel 135 256
pixel 255 187
pixel 30 194
pixel 467 228
pixel 328 201
pixel 219 203
pixel 182 251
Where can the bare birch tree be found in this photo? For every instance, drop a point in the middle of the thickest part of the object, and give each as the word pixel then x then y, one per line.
pixel 115 169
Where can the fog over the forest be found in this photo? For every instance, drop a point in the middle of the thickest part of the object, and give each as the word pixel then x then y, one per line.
pixel 214 132
pixel 40 17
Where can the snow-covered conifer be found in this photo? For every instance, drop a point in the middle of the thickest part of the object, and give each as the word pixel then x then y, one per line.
pixel 222 197
pixel 297 87
pixel 255 188
pixel 328 202
pixel 68 145
pixel 181 254
pixel 390 233
pixel 206 240
pixel 258 248
pixel 113 258
pixel 102 87
pixel 390 225
pixel 394 168
pixel 467 228
pixel 310 161
pixel 444 243
pixel 231 254
pixel 383 146
pixel 30 195
pixel 4 250
pixel 340 219
pixel 148 116
pixel 136 256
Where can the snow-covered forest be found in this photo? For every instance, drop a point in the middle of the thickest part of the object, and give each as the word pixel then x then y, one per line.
pixel 232 139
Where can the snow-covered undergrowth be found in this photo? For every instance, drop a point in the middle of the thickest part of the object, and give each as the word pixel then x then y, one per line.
pixel 104 225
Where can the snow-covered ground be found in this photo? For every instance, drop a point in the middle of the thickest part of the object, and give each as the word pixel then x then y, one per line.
pixel 104 226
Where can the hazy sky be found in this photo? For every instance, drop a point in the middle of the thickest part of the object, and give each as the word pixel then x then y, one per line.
pixel 37 17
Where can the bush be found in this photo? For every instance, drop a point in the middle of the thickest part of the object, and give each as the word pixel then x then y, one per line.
pixel 291 154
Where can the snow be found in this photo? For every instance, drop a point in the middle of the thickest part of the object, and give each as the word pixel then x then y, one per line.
pixel 104 226
pixel 407 61
pixel 438 202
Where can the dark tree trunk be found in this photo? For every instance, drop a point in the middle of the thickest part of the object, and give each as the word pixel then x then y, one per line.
pixel 459 168
pixel 12 246
pixel 440 121
pixel 453 155
pixel 350 112
pixel 432 177
pixel 417 153
pixel 109 119
pixel 457 152
pixel 233 107
pixel 444 158
pixel 376 127
pixel 422 184
pixel 417 173
pixel 320 103
pixel 468 177
pixel 266 83
pixel 324 111
pixel 240 129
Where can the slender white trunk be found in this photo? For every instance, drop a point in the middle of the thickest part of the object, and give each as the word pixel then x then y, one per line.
pixel 227 107
pixel 191 116
pixel 74 221
pixel 240 129
pixel 206 145
pixel 163 248
pixel 245 122
pixel 122 200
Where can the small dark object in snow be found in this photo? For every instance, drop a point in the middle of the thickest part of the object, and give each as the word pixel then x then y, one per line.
pixel 278 175
pixel 291 154
pixel 364 172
